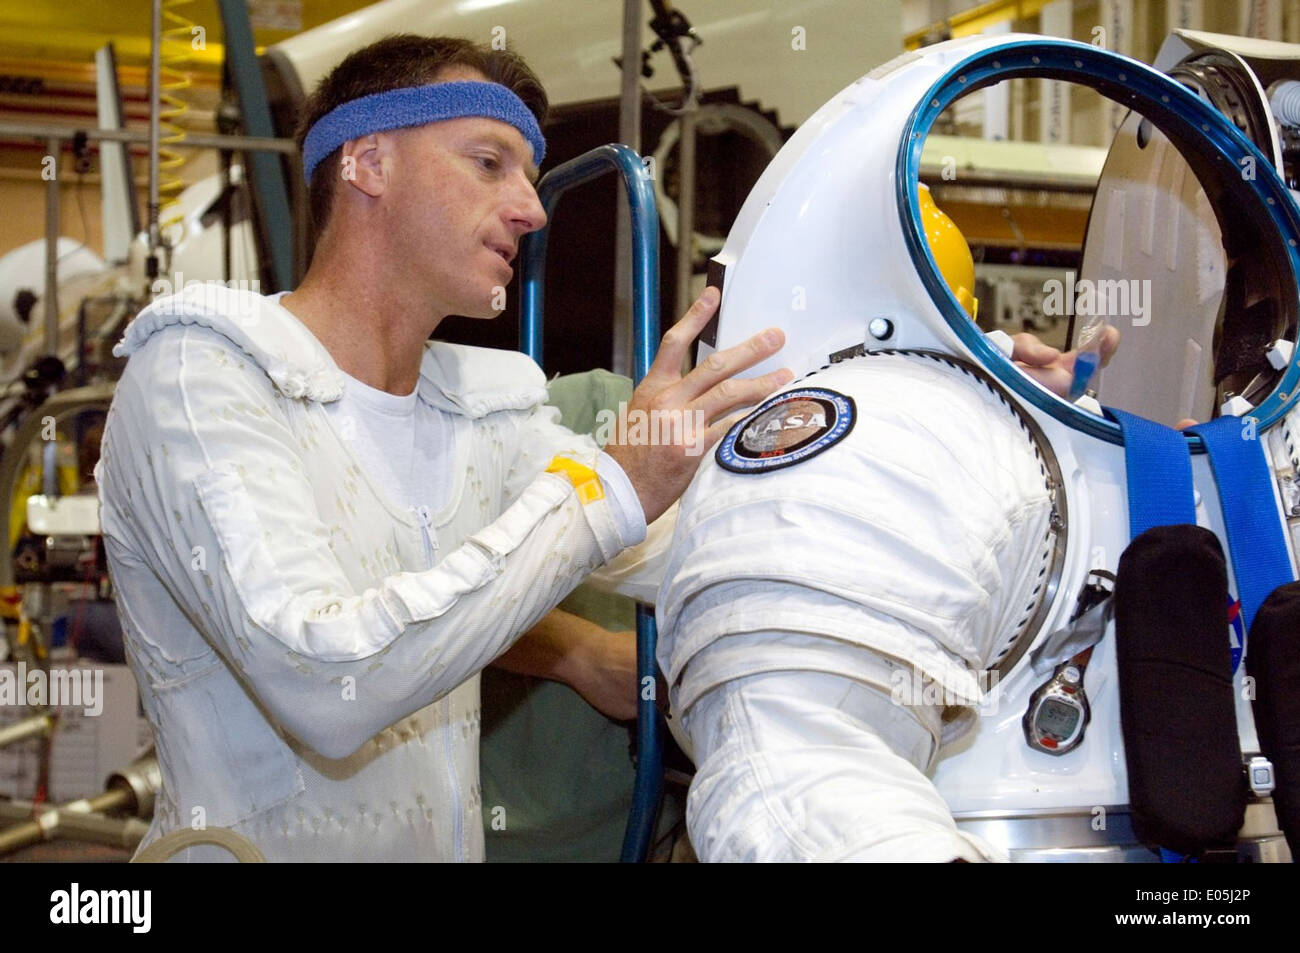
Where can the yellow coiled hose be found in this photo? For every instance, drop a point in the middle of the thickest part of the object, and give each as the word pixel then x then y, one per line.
pixel 178 35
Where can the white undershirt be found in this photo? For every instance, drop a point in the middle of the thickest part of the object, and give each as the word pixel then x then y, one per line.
pixel 407 445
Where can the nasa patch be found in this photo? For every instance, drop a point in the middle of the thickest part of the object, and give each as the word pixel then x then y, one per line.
pixel 787 429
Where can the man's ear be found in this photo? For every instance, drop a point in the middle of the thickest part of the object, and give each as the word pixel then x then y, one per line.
pixel 364 163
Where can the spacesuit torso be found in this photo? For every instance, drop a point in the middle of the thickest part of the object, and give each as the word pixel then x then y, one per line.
pixel 838 604
pixel 884 520
pixel 917 534
pixel 913 546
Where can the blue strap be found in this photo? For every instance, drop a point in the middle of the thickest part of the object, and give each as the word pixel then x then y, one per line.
pixel 1160 489
pixel 1259 558
pixel 1159 470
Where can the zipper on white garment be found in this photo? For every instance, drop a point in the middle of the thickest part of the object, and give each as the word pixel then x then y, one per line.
pixel 423 514
pixel 453 778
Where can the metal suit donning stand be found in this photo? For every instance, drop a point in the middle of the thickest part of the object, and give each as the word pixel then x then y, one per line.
pixel 648 788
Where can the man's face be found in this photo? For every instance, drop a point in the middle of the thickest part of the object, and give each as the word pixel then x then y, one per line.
pixel 462 199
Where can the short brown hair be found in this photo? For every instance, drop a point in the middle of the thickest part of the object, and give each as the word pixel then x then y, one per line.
pixel 396 62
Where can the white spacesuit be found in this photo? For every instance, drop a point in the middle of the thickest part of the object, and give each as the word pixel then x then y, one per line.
pixel 911 540
pixel 872 553
pixel 282 614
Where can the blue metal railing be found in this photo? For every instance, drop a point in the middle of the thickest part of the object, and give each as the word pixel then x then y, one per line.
pixel 648 788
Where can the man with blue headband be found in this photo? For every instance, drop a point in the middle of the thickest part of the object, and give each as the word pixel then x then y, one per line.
pixel 322 526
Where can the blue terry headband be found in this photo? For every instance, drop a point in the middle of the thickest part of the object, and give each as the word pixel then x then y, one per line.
pixel 416 106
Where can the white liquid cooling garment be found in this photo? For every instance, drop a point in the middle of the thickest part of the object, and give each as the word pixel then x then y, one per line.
pixel 307 648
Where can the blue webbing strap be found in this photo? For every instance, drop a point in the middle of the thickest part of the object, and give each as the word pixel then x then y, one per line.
pixel 1161 492
pixel 1259 558
pixel 1159 470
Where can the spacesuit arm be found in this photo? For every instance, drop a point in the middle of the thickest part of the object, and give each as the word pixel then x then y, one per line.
pixel 204 480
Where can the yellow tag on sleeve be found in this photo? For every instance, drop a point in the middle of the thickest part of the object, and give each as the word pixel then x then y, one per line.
pixel 584 479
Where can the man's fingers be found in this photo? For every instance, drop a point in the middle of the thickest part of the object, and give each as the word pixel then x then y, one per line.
pixel 719 430
pixel 1109 344
pixel 666 368
pixel 721 365
pixel 735 392
pixel 1029 350
pixel 1056 379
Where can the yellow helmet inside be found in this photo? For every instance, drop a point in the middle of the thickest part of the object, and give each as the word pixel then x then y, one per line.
pixel 950 251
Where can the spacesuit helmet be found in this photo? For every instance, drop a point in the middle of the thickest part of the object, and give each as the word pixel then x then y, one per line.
pixel 845 266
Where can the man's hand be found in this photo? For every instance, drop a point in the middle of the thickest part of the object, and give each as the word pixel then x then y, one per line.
pixel 1049 366
pixel 597 664
pixel 603 672
pixel 698 404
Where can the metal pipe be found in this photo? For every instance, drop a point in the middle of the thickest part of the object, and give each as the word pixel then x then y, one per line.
pixel 130 791
pixel 648 784
pixel 114 799
pixel 26 728
pixel 27 833
pixel 142 780
pixel 629 133
pixel 273 222
pixel 685 209
pixel 155 116
pixel 629 103
pixel 123 832
pixel 193 140
pixel 83 820
pixel 53 147
pixel 644 243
